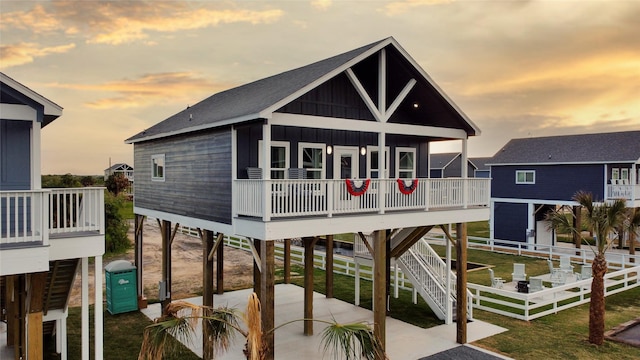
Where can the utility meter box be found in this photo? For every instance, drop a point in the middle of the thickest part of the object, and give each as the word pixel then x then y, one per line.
pixel 122 289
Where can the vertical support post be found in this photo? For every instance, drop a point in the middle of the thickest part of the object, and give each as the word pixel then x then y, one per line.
pixel 234 170
pixel 387 265
pixel 84 310
pixel 379 285
pixel 329 267
pixel 309 243
pixel 138 244
pixel 356 301
pixel 577 224
pixel 382 87
pixel 266 171
pixel 449 316
pixel 11 304
pixel 257 279
pixel 166 263
pixel 267 302
pixel 207 293
pixel 220 267
pixel 37 282
pixel 382 172
pixel 465 174
pixel 461 285
pixel 98 312
pixel 287 261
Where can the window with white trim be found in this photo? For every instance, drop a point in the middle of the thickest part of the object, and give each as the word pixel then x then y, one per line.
pixel 312 157
pixel 405 163
pixel 525 177
pixel 615 174
pixel 372 162
pixel 157 167
pixel 279 158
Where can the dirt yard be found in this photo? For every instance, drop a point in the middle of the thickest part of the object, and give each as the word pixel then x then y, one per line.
pixel 186 266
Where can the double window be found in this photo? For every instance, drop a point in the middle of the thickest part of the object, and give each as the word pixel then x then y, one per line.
pixel 312 157
pixel 405 163
pixel 157 167
pixel 373 171
pixel 525 177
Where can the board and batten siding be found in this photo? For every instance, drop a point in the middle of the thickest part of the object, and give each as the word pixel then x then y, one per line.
pixel 197 181
pixel 15 155
pixel 552 182
pixel 510 221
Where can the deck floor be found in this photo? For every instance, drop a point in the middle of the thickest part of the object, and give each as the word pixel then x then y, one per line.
pixel 404 341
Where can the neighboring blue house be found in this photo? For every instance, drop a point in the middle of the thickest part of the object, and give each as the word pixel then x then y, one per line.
pixel 46 235
pixel 445 165
pixel 532 175
pixel 482 170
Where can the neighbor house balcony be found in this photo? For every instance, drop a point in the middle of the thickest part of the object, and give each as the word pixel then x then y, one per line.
pixel 629 192
pixel 37 226
pixel 273 201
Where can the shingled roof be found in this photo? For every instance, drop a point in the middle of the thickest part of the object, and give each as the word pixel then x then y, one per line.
pixel 621 147
pixel 260 98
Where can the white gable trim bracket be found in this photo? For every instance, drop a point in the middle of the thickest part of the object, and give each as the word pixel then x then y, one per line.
pixel 380 113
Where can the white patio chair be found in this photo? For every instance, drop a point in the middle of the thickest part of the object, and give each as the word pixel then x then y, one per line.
pixel 496 282
pixel 565 264
pixel 518 273
pixel 535 284
pixel 254 173
pixel 558 278
pixel 585 272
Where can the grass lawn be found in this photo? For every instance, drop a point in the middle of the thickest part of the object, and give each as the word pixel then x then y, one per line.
pixel 126 211
pixel 559 336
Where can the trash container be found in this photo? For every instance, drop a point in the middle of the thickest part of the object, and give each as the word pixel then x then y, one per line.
pixel 122 293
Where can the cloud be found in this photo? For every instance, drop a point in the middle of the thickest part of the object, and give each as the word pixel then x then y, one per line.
pixel 321 4
pixel 148 90
pixel 401 7
pixel 120 22
pixel 24 53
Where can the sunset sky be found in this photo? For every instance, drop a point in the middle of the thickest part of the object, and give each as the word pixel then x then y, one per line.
pixel 516 68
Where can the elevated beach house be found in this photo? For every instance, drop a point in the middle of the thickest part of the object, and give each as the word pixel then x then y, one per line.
pixel 532 175
pixel 46 235
pixel 444 165
pixel 338 146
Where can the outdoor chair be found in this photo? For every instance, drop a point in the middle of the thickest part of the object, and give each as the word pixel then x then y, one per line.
pixel 565 264
pixel 297 173
pixel 558 278
pixel 535 284
pixel 518 273
pixel 496 282
pixel 254 173
pixel 585 272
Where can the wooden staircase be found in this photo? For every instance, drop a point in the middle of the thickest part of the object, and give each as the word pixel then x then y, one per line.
pixel 60 279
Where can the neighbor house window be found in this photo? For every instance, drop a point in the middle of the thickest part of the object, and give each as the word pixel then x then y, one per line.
pixel 312 157
pixel 405 163
pixel 279 158
pixel 373 164
pixel 525 177
pixel 157 171
pixel 624 174
pixel 615 174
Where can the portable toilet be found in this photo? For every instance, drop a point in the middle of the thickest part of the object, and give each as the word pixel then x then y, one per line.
pixel 122 294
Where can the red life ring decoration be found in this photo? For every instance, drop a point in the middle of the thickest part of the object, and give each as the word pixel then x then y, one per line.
pixel 357 191
pixel 407 189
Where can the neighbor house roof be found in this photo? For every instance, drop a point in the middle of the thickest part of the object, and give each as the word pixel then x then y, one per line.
pixel 260 98
pixel 621 147
pixel 481 163
pixel 442 160
pixel 15 93
pixel 119 166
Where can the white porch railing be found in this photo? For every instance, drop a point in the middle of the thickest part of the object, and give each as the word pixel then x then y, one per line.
pixel 290 198
pixel 32 215
pixel 627 192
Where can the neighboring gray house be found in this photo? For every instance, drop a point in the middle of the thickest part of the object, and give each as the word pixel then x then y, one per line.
pixel 445 165
pixel 46 235
pixel 337 146
pixel 482 170
pixel 531 175
pixel 120 168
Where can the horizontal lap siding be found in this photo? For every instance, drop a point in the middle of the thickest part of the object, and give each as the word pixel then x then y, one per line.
pixel 552 182
pixel 197 175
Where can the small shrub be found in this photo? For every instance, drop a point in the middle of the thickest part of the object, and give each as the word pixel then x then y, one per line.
pixel 116 227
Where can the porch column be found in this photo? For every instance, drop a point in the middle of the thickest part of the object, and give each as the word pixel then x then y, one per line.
pixel 287 261
pixel 37 283
pixel 531 211
pixel 166 264
pixel 84 310
pixel 461 284
pixel 577 223
pixel 138 242
pixel 98 312
pixel 266 171
pixel 465 174
pixel 267 302
pixel 309 244
pixel 379 285
pixel 382 171
pixel 449 316
pixel 329 267
pixel 257 277
pixel 220 267
pixel 207 293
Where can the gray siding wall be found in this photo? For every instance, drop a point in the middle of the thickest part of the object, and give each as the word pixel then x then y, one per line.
pixel 15 155
pixel 197 175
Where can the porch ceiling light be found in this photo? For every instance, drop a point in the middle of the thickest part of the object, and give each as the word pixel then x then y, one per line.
pixel 329 149
pixel 363 151
pixel 416 105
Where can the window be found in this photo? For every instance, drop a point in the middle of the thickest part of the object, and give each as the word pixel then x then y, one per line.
pixel 615 174
pixel 312 157
pixel 405 163
pixel 624 174
pixel 372 162
pixel 157 170
pixel 525 177
pixel 279 158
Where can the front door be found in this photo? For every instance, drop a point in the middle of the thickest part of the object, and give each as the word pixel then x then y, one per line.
pixel 345 162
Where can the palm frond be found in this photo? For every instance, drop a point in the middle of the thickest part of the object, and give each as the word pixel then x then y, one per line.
pixel 253 320
pixel 157 338
pixel 354 341
pixel 223 324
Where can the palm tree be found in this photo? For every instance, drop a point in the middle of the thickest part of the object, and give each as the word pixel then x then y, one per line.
pixel 631 226
pixel 353 341
pixel 602 218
